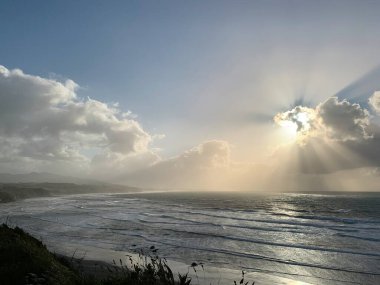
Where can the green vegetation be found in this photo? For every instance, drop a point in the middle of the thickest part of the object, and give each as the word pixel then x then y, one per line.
pixel 153 270
pixel 25 260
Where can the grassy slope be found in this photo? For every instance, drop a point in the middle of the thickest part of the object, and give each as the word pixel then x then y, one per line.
pixel 22 254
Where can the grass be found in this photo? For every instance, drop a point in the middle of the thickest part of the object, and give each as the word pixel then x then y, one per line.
pixel 26 260
pixel 152 270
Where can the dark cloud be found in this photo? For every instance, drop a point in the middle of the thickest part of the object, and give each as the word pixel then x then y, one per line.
pixel 343 120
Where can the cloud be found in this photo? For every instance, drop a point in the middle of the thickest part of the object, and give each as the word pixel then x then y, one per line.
pixel 209 154
pixel 46 126
pixel 374 101
pixel 44 120
pixel 111 166
pixel 203 166
pixel 332 119
pixel 343 120
pixel 341 136
pixel 301 120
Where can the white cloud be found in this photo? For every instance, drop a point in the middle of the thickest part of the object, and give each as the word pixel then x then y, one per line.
pixel 44 120
pixel 374 101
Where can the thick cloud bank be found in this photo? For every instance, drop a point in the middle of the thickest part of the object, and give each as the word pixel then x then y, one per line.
pixel 43 120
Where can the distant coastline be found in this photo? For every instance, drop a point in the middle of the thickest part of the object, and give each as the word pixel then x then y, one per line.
pixel 10 192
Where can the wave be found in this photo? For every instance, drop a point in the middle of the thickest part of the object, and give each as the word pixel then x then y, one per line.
pixel 306 217
pixel 255 269
pixel 152 241
pixel 359 237
pixel 257 220
pixel 205 249
pixel 224 226
pixel 323 218
pixel 268 258
pixel 236 238
pixel 298 246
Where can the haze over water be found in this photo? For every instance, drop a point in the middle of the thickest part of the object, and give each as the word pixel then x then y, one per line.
pixel 316 238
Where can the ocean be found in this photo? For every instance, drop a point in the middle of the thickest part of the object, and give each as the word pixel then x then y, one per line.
pixel 325 238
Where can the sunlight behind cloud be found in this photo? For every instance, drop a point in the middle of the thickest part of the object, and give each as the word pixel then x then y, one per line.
pixel 297 122
pixel 289 126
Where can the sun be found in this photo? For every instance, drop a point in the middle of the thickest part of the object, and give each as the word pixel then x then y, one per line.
pixel 289 126
pixel 304 118
pixel 296 122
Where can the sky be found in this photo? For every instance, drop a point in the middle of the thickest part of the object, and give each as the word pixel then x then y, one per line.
pixel 193 94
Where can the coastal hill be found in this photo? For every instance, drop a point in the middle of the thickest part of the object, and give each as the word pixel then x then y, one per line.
pixel 44 177
pixel 21 186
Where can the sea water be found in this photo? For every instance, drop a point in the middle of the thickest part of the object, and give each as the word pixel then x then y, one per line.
pixel 331 238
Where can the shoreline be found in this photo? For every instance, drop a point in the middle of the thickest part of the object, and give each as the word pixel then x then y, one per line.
pixel 28 260
pixel 88 258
